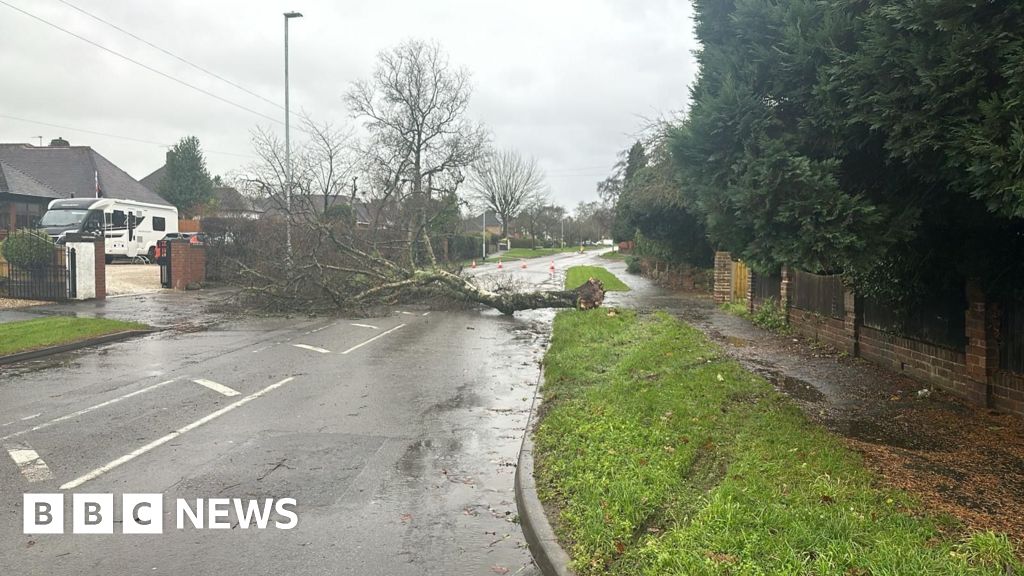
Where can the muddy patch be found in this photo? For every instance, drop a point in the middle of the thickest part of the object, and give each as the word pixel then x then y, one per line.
pixel 797 388
pixel 895 432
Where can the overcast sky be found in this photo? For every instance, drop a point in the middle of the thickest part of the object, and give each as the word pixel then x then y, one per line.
pixel 568 82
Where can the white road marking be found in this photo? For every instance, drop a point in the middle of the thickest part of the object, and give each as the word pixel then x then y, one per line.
pixel 366 326
pixel 219 388
pixel 426 313
pixel 313 348
pixel 87 410
pixel 29 463
pixel 381 335
pixel 407 313
pixel 320 328
pixel 161 441
pixel 36 415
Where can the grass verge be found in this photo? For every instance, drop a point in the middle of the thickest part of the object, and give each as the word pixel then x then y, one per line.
pixel 577 275
pixel 614 255
pixel 30 335
pixel 537 252
pixel 661 456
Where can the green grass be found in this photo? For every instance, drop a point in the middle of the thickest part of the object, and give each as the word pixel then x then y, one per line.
pixel 537 252
pixel 577 275
pixel 614 255
pixel 34 334
pixel 661 456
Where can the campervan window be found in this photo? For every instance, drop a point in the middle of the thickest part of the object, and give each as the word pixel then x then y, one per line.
pixel 62 218
pixel 159 224
pixel 118 219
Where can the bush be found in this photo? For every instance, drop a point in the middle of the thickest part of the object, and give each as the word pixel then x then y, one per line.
pixel 523 243
pixel 28 249
pixel 771 316
pixel 632 264
pixel 464 247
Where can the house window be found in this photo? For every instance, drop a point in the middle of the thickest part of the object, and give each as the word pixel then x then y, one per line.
pixel 26 215
pixel 159 224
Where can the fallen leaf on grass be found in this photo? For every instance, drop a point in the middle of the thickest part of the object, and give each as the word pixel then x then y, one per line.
pixel 722 558
pixel 620 547
pixel 720 378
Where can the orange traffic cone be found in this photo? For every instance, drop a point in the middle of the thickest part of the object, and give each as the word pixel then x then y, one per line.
pixel 499 264
pixel 474 264
pixel 523 265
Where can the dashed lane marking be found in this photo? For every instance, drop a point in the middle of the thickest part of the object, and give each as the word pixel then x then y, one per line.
pixel 83 411
pixel 165 439
pixel 29 463
pixel 381 335
pixel 370 326
pixel 313 348
pixel 219 388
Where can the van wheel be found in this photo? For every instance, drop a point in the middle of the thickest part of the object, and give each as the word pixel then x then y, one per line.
pixel 151 254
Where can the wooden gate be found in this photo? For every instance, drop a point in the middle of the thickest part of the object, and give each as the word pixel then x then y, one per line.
pixel 740 281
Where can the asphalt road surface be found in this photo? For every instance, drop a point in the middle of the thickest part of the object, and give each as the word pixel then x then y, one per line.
pixel 396 436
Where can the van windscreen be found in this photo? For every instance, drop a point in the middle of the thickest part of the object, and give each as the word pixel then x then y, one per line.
pixel 62 218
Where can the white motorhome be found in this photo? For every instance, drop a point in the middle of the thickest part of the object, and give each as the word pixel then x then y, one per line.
pixel 130 228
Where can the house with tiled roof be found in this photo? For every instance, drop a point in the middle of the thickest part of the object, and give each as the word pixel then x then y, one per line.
pixel 32 176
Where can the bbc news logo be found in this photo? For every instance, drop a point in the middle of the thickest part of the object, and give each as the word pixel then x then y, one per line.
pixel 144 513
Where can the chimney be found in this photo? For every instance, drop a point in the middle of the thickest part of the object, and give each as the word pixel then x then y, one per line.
pixel 59 143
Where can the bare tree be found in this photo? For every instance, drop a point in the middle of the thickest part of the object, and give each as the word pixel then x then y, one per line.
pixel 412 168
pixel 506 183
pixel 414 108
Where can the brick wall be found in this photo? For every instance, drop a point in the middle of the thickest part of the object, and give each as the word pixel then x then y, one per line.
pixel 825 329
pixel 1007 391
pixel 971 374
pixel 723 277
pixel 927 363
pixel 188 264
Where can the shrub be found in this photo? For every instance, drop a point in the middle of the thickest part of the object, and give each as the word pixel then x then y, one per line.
pixel 632 264
pixel 523 243
pixel 28 249
pixel 464 247
pixel 771 316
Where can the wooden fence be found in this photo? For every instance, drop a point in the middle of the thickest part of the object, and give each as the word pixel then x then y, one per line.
pixel 815 293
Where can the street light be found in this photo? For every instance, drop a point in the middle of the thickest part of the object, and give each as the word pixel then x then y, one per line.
pixel 287 143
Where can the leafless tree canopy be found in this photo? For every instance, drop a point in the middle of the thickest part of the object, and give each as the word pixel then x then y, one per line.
pixel 371 243
pixel 414 108
pixel 507 183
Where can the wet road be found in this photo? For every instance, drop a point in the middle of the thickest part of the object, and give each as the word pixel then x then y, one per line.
pixel 397 437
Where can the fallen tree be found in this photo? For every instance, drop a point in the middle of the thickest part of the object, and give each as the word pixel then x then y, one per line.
pixel 336 268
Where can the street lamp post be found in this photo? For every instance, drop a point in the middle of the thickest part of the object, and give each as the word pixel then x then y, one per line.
pixel 287 144
pixel 483 234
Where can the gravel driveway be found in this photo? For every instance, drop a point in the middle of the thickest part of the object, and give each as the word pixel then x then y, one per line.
pixel 132 278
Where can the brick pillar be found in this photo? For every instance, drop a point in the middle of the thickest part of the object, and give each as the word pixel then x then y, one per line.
pixel 100 253
pixel 750 291
pixel 784 292
pixel 979 346
pixel 723 277
pixel 851 322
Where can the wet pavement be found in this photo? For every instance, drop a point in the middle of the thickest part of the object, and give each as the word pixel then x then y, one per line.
pixel 397 435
